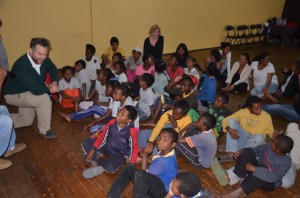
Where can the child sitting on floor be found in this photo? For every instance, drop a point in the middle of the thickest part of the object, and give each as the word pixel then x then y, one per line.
pixel 291 83
pixel 107 56
pixel 119 72
pixel 69 89
pixel 199 144
pixel 184 185
pixel 261 167
pixel 116 144
pixel 220 111
pixel 160 79
pixel 83 78
pixel 146 98
pixel 92 62
pixel 173 70
pixel 132 62
pixel 120 99
pixel 155 180
pixel 102 112
pixel 97 94
pixel 147 67
pixel 247 127
pixel 191 70
pixel 208 89
pixel 176 118
pixel 115 58
pixel 185 93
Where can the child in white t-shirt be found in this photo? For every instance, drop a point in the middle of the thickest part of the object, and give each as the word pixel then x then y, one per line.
pixel 69 89
pixel 92 62
pixel 83 78
pixel 97 94
pixel 146 98
pixel 119 71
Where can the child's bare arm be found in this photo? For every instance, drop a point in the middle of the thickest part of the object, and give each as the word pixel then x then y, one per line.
pixel 144 156
pixel 104 59
pixel 181 140
pixel 186 128
pixel 84 91
pixel 151 110
pixel 137 98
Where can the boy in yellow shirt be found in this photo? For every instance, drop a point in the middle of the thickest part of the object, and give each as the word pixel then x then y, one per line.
pixel 177 119
pixel 247 127
pixel 109 52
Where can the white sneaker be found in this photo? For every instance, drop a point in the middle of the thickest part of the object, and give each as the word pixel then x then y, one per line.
pixel 233 178
pixel 92 172
pixel 261 95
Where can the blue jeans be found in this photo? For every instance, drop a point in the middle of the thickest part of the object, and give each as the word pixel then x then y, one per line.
pixel 142 115
pixel 246 140
pixel 288 179
pixel 143 137
pixel 7 132
pixel 286 111
pixel 257 90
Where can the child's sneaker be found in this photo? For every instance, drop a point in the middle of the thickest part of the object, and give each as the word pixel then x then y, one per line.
pixel 17 148
pixel 233 178
pixel 225 158
pixel 261 95
pixel 92 172
pixel 219 172
pixel 4 164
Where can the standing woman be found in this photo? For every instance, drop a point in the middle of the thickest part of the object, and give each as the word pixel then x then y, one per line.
pixel 264 79
pixel 154 44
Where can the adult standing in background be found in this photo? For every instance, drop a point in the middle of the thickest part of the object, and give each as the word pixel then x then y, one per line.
pixel 3 55
pixel 29 92
pixel 154 44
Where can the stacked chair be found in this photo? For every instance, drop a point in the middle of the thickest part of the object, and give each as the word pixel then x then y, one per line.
pixel 243 35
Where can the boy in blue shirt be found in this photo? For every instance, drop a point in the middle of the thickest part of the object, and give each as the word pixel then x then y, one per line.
pixel 155 180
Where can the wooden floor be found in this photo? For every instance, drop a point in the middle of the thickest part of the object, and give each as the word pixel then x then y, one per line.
pixel 53 167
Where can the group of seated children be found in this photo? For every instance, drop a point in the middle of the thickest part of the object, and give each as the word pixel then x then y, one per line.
pixel 142 91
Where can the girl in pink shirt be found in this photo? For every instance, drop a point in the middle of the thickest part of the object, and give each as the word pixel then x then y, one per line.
pixel 173 70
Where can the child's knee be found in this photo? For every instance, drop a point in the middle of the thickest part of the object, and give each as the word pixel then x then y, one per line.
pixel 257 140
pixel 234 124
pixel 87 144
pixel 139 175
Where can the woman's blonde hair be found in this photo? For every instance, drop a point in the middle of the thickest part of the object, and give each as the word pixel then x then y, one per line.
pixel 153 28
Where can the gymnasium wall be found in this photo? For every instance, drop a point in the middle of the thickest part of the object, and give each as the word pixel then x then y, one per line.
pixel 70 24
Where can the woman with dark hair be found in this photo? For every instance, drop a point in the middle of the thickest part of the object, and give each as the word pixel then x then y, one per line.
pixel 237 80
pixel 154 44
pixel 215 57
pixel 183 54
pixel 265 82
